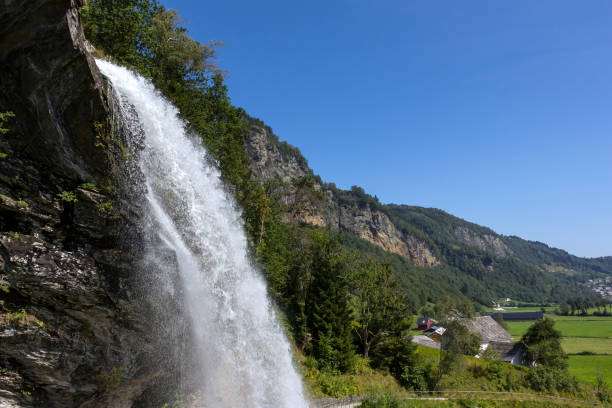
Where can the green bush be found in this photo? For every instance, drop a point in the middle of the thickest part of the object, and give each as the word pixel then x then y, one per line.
pixel 545 379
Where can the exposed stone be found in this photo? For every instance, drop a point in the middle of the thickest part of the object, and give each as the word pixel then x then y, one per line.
pixel 377 228
pixel 270 162
pixel 486 242
pixel 75 329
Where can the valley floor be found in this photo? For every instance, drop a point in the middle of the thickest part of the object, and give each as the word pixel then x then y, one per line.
pixel 587 340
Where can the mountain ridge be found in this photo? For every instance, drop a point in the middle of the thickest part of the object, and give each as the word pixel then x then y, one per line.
pixel 428 237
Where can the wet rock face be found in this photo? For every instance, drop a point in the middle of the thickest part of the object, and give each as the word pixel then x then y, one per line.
pixel 74 326
pixel 62 334
pixel 53 87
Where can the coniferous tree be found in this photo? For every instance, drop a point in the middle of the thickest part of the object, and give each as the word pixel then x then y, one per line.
pixel 327 309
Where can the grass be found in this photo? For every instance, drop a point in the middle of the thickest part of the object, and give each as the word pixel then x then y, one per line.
pixel 581 334
pixel 585 368
pixel 587 327
pixel 362 381
pixel 571 326
pixel 465 402
pixel 576 345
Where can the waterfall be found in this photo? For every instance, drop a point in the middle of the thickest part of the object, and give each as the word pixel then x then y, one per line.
pixel 244 359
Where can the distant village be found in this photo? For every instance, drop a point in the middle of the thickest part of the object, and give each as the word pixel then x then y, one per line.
pixel 603 286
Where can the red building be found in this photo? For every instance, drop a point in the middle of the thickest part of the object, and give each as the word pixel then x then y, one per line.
pixel 423 323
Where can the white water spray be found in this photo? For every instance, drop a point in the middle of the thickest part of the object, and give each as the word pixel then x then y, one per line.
pixel 244 358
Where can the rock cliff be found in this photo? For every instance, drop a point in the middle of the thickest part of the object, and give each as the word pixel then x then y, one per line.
pixel 486 242
pixel 72 332
pixel 376 227
pixel 274 160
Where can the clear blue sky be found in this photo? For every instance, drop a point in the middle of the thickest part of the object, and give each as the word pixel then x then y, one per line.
pixel 497 112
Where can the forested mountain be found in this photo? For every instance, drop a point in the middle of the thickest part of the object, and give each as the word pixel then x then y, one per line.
pixel 433 246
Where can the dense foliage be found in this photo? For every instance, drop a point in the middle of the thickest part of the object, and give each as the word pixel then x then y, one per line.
pixel 542 345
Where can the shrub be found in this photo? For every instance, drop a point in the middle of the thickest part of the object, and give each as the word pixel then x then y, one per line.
pixel 67 196
pixel 603 392
pixel 546 379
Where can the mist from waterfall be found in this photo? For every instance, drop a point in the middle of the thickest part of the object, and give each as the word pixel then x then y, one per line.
pixel 244 359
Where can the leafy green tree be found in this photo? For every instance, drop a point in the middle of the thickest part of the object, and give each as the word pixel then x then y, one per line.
pixel 542 345
pixel 550 379
pixel 122 29
pixel 397 354
pixel 456 342
pixel 379 307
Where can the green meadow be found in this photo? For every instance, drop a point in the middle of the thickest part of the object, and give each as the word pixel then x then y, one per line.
pixel 587 339
pixel 585 368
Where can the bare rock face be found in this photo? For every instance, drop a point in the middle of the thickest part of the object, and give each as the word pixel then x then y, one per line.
pixel 377 228
pixel 269 161
pixel 486 242
pixel 72 331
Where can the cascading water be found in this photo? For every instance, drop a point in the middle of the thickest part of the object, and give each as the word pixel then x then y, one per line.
pixel 244 358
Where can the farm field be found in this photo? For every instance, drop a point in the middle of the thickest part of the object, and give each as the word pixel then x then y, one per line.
pixel 576 345
pixel 591 334
pixel 585 368
pixel 571 326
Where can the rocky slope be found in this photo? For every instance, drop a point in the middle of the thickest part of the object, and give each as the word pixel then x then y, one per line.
pixel 419 234
pixel 275 160
pixel 74 330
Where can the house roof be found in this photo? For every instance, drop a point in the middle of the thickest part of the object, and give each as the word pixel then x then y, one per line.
pixel 426 341
pixel 505 351
pixel 487 328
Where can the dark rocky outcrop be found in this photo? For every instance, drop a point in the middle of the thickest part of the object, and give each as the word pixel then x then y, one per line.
pixel 72 328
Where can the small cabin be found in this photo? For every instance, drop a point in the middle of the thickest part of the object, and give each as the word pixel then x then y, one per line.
pixel 423 323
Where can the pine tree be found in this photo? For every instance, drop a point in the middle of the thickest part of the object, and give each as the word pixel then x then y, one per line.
pixel 327 309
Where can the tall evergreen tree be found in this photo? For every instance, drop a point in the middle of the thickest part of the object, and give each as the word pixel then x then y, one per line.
pixel 327 308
